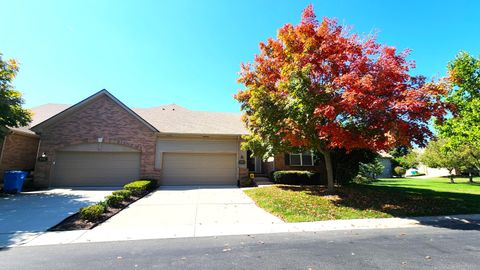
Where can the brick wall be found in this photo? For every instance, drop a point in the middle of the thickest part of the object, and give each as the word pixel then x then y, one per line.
pixel 242 172
pixel 19 152
pixel 280 165
pixel 100 118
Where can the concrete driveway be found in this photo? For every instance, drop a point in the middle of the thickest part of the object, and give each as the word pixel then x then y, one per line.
pixel 24 216
pixel 185 212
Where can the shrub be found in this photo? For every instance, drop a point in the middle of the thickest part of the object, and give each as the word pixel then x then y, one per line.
pixel 247 182
pixel 93 212
pixel 296 177
pixel 361 179
pixel 114 201
pixel 399 171
pixel 270 176
pixel 139 187
pixel 346 164
pixel 125 194
pixel 367 173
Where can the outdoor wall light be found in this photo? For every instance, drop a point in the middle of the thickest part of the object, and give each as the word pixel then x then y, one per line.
pixel 43 157
pixel 242 160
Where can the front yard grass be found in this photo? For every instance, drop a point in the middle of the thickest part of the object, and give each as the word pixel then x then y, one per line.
pixel 384 198
pixel 437 183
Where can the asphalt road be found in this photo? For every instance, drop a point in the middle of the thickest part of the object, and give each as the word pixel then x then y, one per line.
pixel 413 248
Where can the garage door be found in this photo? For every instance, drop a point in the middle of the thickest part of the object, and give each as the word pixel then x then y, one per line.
pixel 199 169
pixel 95 169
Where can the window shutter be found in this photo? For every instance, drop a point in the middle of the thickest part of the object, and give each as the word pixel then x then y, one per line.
pixel 287 159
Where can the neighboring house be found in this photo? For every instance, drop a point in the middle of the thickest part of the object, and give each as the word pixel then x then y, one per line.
pixel 18 150
pixel 386 160
pixel 101 142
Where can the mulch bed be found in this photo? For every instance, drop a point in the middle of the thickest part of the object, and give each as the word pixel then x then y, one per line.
pixel 74 222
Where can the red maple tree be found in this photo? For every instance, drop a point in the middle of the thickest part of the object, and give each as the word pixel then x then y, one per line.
pixel 318 86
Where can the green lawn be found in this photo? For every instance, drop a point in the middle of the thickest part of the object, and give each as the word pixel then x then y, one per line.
pixel 438 184
pixel 384 198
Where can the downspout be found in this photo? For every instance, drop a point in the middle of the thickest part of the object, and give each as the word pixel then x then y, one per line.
pixel 36 159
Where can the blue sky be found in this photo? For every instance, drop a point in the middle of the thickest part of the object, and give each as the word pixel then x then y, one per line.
pixel 149 53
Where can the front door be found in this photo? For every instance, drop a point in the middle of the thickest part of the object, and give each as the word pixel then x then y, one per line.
pixel 250 161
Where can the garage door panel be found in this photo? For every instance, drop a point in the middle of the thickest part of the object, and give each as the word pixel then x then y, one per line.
pixel 95 168
pixel 199 169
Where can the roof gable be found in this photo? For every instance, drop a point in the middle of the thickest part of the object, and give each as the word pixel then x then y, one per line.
pixel 72 109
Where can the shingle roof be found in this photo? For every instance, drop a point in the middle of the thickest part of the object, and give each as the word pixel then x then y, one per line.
pixel 42 113
pixel 169 118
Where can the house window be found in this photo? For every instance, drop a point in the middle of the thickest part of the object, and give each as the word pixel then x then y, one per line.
pixel 301 159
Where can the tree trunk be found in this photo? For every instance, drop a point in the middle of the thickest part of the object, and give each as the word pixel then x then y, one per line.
pixel 470 176
pixel 451 177
pixel 328 165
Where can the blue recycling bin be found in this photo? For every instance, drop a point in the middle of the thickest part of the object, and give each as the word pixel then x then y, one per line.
pixel 13 181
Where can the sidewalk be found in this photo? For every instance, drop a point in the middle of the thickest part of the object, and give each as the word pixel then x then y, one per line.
pixel 471 222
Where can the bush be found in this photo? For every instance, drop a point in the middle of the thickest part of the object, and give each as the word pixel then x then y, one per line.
pixel 125 194
pixel 114 201
pixel 399 171
pixel 247 182
pixel 367 173
pixel 270 176
pixel 346 164
pixel 140 187
pixel 296 177
pixel 93 212
pixel 361 179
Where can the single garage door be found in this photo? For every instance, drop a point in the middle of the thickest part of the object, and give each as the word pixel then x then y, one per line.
pixel 199 169
pixel 95 168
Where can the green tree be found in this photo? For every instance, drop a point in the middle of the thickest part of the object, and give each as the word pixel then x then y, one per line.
pixel 462 131
pixel 368 172
pixel 437 154
pixel 410 160
pixel 11 112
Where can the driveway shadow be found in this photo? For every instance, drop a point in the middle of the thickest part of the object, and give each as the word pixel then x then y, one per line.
pixel 25 215
pixel 407 202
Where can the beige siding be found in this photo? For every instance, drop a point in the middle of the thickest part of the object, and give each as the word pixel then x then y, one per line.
pixel 95 168
pixel 199 169
pixel 387 167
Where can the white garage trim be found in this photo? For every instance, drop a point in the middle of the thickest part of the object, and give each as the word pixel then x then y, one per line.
pixel 199 169
pixel 99 147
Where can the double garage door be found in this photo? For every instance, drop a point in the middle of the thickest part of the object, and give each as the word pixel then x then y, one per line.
pixel 199 169
pixel 95 168
pixel 118 168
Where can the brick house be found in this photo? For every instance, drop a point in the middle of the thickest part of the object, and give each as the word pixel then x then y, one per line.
pixel 102 142
pixel 18 150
